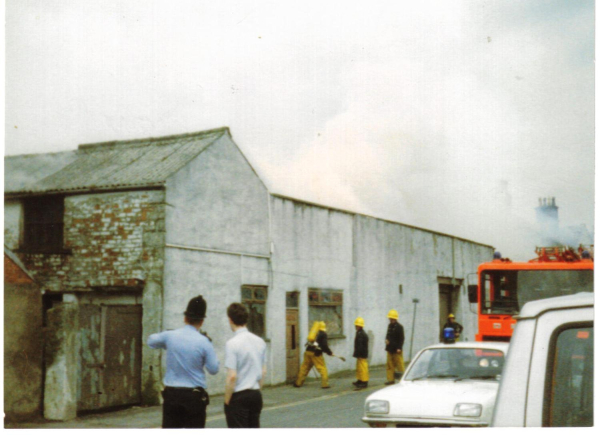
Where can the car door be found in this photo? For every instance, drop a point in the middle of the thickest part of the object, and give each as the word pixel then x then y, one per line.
pixel 541 382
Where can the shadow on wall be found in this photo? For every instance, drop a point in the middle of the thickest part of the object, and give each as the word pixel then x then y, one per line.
pixel 371 345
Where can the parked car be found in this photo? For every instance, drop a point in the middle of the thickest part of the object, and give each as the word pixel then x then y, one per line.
pixel 445 385
pixel 548 379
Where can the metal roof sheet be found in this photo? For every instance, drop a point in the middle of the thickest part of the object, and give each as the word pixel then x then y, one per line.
pixel 120 164
pixel 26 169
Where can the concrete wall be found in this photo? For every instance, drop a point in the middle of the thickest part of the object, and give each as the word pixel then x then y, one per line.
pixel 216 202
pixel 218 277
pixel 23 344
pixel 13 216
pixel 61 355
pixel 368 259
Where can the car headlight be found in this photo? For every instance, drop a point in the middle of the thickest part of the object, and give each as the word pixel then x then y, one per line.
pixel 378 406
pixel 467 410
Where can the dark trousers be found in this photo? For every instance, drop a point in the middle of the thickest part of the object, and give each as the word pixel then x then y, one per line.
pixel 244 409
pixel 184 407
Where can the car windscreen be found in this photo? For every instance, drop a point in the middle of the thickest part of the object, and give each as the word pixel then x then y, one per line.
pixel 457 363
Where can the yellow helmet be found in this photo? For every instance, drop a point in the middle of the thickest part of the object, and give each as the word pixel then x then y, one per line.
pixel 322 326
pixel 359 322
pixel 393 314
pixel 451 316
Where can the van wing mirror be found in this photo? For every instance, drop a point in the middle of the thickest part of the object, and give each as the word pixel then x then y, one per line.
pixel 473 293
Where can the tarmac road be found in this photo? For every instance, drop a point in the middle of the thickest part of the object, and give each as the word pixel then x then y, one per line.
pixel 283 407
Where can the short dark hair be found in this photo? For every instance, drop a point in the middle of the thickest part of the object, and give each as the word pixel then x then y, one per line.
pixel 238 314
pixel 193 321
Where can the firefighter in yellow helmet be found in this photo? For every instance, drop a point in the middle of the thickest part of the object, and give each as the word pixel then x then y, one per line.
pixel 313 356
pixel 361 353
pixel 394 340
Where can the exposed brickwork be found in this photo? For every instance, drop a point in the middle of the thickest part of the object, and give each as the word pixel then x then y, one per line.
pixel 115 240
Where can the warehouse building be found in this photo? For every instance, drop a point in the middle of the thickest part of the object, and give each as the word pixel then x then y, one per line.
pixel 120 235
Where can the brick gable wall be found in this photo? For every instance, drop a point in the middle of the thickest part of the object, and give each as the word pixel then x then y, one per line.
pixel 114 240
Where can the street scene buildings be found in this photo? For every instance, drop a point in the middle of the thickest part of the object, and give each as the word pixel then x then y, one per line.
pixel 106 244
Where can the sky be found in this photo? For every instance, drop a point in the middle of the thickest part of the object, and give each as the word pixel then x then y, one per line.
pixel 451 116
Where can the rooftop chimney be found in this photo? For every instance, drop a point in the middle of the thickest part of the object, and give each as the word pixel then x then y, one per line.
pixel 547 218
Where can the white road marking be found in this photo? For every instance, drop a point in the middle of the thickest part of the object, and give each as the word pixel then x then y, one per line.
pixel 302 402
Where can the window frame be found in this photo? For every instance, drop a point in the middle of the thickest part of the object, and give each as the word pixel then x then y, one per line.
pixel 248 302
pixel 551 364
pixel 44 218
pixel 320 303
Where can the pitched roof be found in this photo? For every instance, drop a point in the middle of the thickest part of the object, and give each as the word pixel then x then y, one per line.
pixel 27 169
pixel 121 164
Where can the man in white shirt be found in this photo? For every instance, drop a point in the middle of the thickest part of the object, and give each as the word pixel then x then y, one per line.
pixel 245 361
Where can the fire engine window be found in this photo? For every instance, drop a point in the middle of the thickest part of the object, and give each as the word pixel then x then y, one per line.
pixel 571 399
pixel 500 292
pixel 536 284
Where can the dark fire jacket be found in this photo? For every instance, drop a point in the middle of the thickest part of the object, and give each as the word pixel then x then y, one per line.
pixel 395 335
pixel 361 344
pixel 322 345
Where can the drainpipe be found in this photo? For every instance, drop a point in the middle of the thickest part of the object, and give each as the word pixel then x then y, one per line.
pixel 412 332
pixel 453 265
pixel 270 265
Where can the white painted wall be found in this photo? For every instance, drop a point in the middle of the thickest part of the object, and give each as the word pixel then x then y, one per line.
pixel 216 202
pixel 13 216
pixel 368 259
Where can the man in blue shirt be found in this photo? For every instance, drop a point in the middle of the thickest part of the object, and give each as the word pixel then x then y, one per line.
pixel 245 361
pixel 188 353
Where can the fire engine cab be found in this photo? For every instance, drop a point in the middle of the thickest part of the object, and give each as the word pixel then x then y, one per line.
pixel 504 286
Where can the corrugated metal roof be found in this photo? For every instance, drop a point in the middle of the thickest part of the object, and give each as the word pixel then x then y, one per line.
pixel 121 164
pixel 26 169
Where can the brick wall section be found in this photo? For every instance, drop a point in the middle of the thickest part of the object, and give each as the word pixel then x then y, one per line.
pixel 115 239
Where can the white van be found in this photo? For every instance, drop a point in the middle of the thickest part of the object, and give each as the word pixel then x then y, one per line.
pixel 548 377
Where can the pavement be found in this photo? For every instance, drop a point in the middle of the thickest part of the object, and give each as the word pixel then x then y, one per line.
pixel 275 397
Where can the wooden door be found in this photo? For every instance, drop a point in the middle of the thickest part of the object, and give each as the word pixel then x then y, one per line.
pixel 91 360
pixel 122 355
pixel 292 347
pixel 110 356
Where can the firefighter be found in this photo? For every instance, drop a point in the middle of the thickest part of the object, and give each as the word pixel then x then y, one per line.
pixel 452 323
pixel 394 340
pixel 361 353
pixel 313 356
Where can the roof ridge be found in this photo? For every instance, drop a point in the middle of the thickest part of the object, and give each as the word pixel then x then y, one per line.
pixel 39 154
pixel 150 140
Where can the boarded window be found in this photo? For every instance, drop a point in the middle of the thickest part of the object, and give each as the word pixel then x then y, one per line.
pixel 327 305
pixel 291 299
pixel 254 297
pixel 43 224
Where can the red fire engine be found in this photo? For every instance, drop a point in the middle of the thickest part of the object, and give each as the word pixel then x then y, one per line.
pixel 503 286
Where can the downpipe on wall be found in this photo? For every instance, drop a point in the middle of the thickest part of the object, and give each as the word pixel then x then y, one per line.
pixel 412 331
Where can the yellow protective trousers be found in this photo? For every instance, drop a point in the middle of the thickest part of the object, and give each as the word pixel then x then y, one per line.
pixel 395 363
pixel 309 361
pixel 362 369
